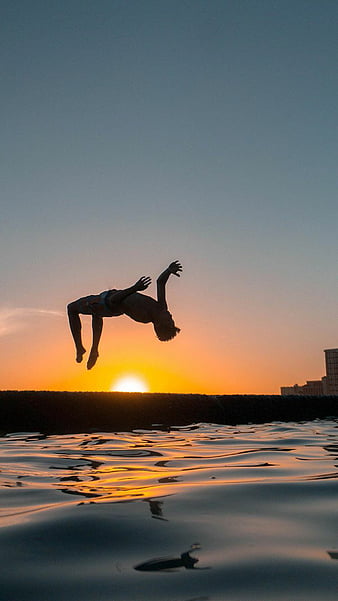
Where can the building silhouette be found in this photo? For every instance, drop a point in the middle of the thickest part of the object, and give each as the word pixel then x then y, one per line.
pixel 331 363
pixel 328 385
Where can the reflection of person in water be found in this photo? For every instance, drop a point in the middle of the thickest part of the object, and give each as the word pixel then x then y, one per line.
pixel 156 509
pixel 170 563
pixel 113 303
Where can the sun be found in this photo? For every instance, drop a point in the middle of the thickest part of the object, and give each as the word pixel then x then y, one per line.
pixel 129 383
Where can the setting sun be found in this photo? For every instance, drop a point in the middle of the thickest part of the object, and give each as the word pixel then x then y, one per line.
pixel 129 383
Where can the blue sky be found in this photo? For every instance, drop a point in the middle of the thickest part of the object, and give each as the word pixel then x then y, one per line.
pixel 137 132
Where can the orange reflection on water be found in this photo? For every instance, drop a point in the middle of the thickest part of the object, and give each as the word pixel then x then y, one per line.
pixel 120 484
pixel 151 465
pixel 130 469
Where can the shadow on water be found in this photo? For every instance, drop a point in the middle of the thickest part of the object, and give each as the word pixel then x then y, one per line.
pixel 164 564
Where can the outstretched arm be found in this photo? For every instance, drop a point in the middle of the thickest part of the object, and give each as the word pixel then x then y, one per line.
pixel 141 284
pixel 175 267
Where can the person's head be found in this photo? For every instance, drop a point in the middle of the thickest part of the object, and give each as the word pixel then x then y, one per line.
pixel 164 326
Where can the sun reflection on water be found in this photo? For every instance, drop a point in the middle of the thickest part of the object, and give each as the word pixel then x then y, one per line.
pixel 119 467
pixel 148 465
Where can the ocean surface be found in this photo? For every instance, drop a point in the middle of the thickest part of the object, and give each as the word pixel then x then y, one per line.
pixel 197 513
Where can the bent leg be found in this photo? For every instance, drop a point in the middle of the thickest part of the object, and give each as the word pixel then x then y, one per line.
pixel 97 325
pixel 75 328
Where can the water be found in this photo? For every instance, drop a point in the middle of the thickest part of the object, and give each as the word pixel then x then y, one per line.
pixel 90 517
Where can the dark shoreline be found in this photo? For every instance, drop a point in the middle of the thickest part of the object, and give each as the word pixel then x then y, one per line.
pixel 72 412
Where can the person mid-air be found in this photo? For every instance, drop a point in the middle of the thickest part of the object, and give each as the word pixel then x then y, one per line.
pixel 113 303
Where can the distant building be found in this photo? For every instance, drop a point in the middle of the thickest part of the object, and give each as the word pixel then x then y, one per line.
pixel 290 390
pixel 328 385
pixel 311 388
pixel 331 362
pixel 324 380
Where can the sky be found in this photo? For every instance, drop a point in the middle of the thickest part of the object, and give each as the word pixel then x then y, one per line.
pixel 136 133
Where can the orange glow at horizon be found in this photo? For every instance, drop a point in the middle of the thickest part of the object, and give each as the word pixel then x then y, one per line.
pixel 197 361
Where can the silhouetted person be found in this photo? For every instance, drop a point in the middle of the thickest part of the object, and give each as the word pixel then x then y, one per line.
pixel 113 303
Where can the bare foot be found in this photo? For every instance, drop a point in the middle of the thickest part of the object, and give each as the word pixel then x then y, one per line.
pixel 79 354
pixel 92 359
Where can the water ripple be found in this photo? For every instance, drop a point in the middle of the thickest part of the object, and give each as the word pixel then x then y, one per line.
pixel 79 512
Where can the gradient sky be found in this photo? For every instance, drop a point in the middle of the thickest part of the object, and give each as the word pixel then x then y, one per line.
pixel 136 132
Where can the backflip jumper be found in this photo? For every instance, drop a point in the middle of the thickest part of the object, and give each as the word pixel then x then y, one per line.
pixel 112 303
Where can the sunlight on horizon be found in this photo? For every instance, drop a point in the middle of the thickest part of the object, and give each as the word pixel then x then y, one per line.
pixel 129 383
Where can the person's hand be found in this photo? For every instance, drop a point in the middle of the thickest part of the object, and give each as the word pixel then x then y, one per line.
pixel 143 283
pixel 175 267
